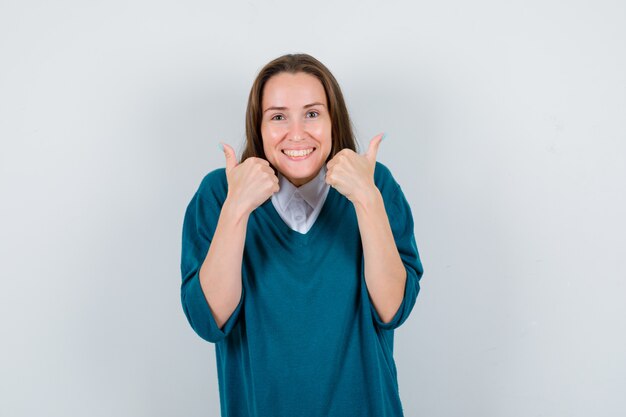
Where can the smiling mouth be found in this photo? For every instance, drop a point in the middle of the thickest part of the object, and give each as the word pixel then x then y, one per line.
pixel 299 153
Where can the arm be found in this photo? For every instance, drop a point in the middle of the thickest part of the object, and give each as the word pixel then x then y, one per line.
pixel 385 273
pixel 220 274
pixel 205 228
pixel 391 264
pixel 214 234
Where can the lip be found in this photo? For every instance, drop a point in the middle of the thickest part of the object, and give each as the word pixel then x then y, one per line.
pixel 298 158
pixel 298 148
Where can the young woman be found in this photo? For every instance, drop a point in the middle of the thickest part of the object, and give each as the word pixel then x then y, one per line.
pixel 299 261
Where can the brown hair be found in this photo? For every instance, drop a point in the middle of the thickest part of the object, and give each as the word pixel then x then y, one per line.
pixel 341 131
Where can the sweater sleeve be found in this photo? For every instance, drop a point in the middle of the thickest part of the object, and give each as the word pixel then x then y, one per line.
pixel 199 226
pixel 401 222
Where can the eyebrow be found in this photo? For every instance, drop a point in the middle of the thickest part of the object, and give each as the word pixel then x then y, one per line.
pixel 285 108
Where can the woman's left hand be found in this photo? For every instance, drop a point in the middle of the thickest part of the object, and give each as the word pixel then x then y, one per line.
pixel 352 174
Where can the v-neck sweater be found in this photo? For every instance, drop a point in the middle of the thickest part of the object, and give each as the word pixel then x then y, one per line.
pixel 305 339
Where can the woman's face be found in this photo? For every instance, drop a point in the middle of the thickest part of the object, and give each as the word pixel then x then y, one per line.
pixel 295 126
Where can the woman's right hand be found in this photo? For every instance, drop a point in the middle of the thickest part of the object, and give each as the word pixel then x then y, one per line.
pixel 250 183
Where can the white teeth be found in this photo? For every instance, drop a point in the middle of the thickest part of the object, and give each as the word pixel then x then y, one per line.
pixel 303 152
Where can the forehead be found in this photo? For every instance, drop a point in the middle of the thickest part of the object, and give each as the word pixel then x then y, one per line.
pixel 300 88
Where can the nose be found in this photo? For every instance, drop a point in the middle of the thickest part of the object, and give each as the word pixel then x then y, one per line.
pixel 297 132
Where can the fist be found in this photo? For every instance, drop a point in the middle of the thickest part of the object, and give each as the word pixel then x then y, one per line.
pixel 352 174
pixel 250 183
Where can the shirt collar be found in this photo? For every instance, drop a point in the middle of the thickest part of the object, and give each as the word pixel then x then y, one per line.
pixel 312 192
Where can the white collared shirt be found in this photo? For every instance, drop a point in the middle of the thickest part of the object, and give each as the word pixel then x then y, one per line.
pixel 300 206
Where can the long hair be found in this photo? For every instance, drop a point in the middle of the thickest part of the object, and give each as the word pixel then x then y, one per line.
pixel 341 133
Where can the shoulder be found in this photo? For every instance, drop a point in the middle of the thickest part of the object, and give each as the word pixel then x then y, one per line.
pixel 214 185
pixel 384 180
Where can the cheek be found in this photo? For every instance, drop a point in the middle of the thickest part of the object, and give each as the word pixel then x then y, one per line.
pixel 266 137
pixel 322 132
pixel 328 133
pixel 269 139
pixel 270 135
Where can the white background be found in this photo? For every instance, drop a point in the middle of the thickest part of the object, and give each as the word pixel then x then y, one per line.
pixel 506 128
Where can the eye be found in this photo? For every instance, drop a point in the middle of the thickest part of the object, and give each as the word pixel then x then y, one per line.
pixel 278 115
pixel 314 113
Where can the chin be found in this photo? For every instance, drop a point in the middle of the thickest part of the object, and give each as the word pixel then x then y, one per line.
pixel 300 178
pixel 300 175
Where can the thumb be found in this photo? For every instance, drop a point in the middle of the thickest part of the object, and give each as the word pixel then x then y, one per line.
pixel 373 148
pixel 231 158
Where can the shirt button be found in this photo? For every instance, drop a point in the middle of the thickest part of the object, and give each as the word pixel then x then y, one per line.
pixel 298 217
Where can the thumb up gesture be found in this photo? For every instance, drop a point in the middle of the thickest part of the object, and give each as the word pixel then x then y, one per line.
pixel 250 183
pixel 352 174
